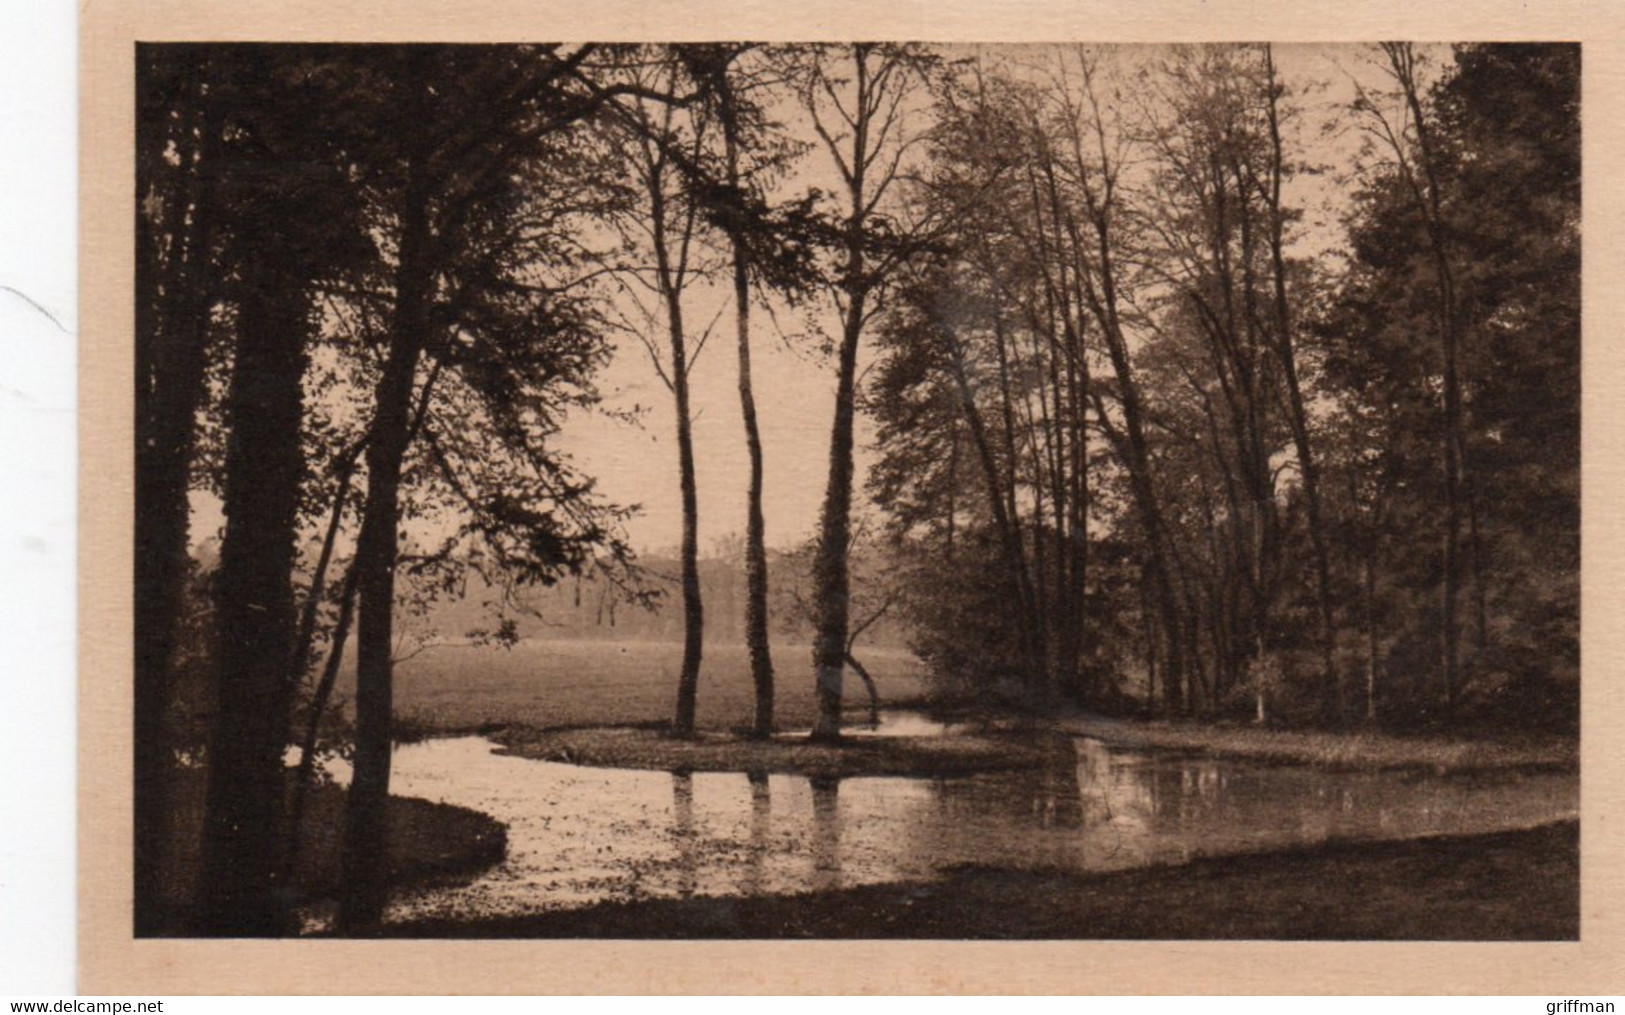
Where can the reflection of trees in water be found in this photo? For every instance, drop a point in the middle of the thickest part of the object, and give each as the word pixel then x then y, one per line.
pixel 683 834
pixel 1046 797
pixel 1117 808
pixel 1129 788
pixel 1057 800
pixel 1202 785
pixel 1089 807
pixel 826 833
pixel 761 821
pixel 1135 803
pixel 1162 806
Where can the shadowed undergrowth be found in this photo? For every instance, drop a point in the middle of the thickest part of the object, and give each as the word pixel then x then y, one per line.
pixel 425 841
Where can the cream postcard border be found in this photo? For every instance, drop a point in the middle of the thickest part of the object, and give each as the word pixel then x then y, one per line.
pixel 111 961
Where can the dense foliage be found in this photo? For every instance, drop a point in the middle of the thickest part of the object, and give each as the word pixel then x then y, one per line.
pixel 1149 435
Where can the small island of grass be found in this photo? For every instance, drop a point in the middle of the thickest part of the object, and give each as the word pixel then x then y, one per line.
pixel 863 755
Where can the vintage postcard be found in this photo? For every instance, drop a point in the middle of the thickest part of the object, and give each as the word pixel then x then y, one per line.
pixel 831 500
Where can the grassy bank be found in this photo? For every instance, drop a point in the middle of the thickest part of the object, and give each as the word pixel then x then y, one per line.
pixel 1509 886
pixel 558 684
pixel 637 747
pixel 1354 750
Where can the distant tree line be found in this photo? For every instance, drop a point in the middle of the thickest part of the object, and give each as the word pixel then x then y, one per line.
pixel 593 607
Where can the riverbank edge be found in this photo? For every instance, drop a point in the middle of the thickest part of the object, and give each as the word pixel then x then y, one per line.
pixel 1518 885
pixel 998 746
pixel 1340 751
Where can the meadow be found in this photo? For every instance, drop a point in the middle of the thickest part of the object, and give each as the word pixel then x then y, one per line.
pixel 565 682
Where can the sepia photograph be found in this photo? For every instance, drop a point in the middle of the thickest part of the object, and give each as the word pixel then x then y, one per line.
pixel 857 490
pixel 848 505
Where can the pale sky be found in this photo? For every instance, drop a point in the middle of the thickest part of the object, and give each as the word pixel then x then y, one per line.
pixel 795 403
pixel 795 386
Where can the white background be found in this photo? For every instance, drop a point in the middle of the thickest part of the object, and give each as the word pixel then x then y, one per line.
pixel 38 178
pixel 38 174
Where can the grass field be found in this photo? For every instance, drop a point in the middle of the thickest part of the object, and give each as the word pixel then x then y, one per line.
pixel 546 683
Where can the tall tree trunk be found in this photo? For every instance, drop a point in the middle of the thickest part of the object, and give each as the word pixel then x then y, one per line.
pixel 318 707
pixel 1081 381
pixel 831 579
pixel 830 574
pixel 670 278
pixel 1308 466
pixel 952 511
pixel 1250 439
pixel 240 890
pixel 1079 541
pixel 688 680
pixel 756 637
pixel 174 294
pixel 1402 60
pixel 1029 617
pixel 366 834
pixel 1475 543
pixel 1066 620
pixel 343 471
pixel 1370 637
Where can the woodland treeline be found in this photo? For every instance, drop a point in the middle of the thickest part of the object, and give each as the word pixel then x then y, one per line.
pixel 589 607
pixel 1150 435
pixel 1133 425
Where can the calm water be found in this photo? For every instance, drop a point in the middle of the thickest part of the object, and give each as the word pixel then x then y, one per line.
pixel 579 835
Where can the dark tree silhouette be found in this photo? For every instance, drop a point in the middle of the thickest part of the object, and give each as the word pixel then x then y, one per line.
pixel 176 288
pixel 284 193
pixel 856 97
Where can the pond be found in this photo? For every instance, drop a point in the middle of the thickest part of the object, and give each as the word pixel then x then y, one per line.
pixel 579 835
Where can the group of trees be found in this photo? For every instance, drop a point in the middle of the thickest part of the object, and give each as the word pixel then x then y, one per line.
pixel 1149 431
pixel 371 283
pixel 1139 435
